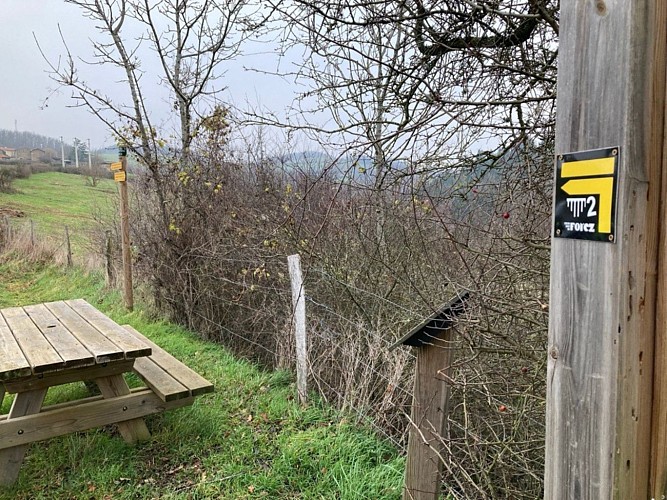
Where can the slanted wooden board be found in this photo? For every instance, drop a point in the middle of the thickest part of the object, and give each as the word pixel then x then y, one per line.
pixel 100 347
pixel 61 339
pixel 37 349
pixel 166 375
pixel 12 362
pixel 131 346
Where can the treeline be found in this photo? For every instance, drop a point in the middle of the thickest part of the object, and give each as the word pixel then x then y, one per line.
pixel 22 139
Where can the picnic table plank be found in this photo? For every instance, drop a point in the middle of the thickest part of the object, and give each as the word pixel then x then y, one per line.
pixel 194 382
pixel 12 362
pixel 101 348
pixel 132 346
pixel 37 349
pixel 63 341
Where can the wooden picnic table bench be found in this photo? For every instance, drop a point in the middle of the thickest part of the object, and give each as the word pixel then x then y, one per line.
pixel 56 343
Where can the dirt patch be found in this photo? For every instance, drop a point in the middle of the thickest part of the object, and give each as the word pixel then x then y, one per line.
pixel 11 212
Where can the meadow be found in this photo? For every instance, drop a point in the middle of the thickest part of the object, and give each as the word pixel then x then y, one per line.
pixel 250 439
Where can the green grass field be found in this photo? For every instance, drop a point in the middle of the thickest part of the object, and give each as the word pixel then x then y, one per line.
pixel 54 200
pixel 250 439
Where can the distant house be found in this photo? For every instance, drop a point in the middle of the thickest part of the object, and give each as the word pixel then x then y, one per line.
pixel 52 154
pixel 38 154
pixel 8 152
pixel 23 153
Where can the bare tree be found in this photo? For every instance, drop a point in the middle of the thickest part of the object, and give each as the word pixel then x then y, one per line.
pixel 190 39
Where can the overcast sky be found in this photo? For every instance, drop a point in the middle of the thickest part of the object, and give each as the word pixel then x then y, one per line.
pixel 25 83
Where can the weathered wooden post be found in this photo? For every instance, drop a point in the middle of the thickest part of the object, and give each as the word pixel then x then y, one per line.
pixel 120 175
pixel 299 326
pixel 430 400
pixel 69 247
pixel 604 263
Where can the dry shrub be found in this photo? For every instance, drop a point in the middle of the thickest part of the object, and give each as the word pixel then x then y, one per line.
pixel 375 262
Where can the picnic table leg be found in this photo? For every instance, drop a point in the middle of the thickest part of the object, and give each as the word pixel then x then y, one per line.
pixel 25 403
pixel 2 394
pixel 132 430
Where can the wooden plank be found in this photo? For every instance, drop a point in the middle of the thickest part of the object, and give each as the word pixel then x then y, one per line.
pixel 12 362
pixel 101 348
pixel 85 415
pixel 132 430
pixel 195 383
pixel 37 349
pixel 66 345
pixel 602 312
pixel 163 384
pixel 430 406
pixel 130 345
pixel 11 456
pixel 69 376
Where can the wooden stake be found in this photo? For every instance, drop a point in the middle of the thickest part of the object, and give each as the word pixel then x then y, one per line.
pixel 299 322
pixel 108 253
pixel 611 88
pixel 69 248
pixel 125 239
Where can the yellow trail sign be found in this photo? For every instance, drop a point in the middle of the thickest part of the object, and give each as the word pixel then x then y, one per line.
pixel 117 165
pixel 120 176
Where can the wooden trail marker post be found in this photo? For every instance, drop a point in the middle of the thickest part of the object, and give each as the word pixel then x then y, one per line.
pixel 606 415
pixel 430 401
pixel 120 175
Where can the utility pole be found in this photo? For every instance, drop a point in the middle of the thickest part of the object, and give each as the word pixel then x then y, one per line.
pixel 62 153
pixel 606 406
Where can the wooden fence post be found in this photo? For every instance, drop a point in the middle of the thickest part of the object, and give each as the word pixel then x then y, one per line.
pixel 299 322
pixel 108 254
pixel 430 400
pixel 602 322
pixel 32 233
pixel 69 247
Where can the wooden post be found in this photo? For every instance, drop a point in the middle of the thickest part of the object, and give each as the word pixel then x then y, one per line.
pixel 430 400
pixel 611 93
pixel 69 248
pixel 108 253
pixel 299 322
pixel 32 233
pixel 125 234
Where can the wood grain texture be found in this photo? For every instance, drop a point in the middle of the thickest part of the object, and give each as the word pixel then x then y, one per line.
pixel 132 430
pixel 68 347
pixel 430 403
pixel 602 319
pixel 11 455
pixel 299 325
pixel 658 482
pixel 130 345
pixel 102 348
pixel 195 383
pixel 35 347
pixel 68 376
pixel 92 413
pixel 12 362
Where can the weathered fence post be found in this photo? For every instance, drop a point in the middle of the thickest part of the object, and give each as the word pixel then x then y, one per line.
pixel 108 254
pixel 299 322
pixel 604 261
pixel 120 176
pixel 69 247
pixel 32 233
pixel 430 400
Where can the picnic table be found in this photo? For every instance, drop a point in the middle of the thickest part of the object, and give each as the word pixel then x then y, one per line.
pixel 55 343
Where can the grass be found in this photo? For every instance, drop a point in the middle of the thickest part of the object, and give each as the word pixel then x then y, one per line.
pixel 54 200
pixel 250 439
